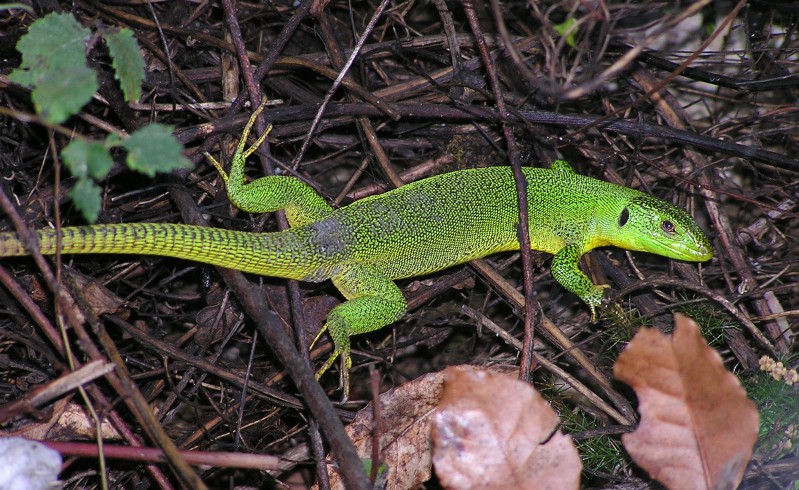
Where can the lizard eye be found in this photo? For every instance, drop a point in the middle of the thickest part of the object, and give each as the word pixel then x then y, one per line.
pixel 668 226
pixel 623 217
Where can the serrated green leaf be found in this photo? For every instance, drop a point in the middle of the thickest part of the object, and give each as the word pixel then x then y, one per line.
pixel 87 158
pixel 112 140
pixel 128 63
pixel 153 149
pixel 54 37
pixel 54 65
pixel 60 96
pixel 86 196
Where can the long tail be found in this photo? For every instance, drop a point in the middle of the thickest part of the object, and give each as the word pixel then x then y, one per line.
pixel 280 254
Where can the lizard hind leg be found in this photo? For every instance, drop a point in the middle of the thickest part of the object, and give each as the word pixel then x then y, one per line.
pixel 373 302
pixel 240 155
pixel 271 193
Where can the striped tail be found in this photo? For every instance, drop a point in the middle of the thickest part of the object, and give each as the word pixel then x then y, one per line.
pixel 281 254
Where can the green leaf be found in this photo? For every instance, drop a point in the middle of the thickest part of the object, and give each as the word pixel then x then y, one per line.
pixel 56 98
pixel 54 65
pixel 128 63
pixel 112 140
pixel 13 6
pixel 382 472
pixel 568 28
pixel 86 196
pixel 153 149
pixel 87 158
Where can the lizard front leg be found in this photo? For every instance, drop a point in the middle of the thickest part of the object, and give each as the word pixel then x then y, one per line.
pixel 374 301
pixel 569 275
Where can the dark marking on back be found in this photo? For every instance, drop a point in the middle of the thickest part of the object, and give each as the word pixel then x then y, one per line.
pixel 329 237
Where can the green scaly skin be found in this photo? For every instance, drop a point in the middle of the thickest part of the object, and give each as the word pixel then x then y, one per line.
pixel 420 228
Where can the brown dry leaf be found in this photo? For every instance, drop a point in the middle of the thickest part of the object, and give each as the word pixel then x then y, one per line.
pixel 492 431
pixel 697 425
pixel 404 432
pixel 213 325
pixel 75 423
pixel 99 297
pixel 40 429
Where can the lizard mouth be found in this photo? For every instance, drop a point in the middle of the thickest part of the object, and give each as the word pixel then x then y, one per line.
pixel 693 253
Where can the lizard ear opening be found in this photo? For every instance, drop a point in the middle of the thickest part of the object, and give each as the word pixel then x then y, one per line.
pixel 623 217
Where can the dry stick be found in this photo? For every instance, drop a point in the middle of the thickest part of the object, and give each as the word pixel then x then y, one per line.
pixel 527 363
pixel 317 443
pixel 318 453
pixel 118 379
pixel 438 112
pixel 334 86
pixel 451 35
pixel 244 396
pixel 232 24
pixel 261 462
pixel 164 43
pixel 377 426
pixel 339 61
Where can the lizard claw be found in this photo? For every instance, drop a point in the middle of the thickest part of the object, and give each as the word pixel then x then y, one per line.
pixel 346 363
pixel 594 299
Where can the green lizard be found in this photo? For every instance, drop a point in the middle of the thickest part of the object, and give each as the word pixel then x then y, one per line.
pixel 418 229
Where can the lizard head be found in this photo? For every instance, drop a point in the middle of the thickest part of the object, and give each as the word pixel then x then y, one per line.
pixel 648 224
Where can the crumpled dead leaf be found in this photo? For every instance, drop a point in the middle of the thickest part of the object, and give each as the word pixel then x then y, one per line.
pixel 492 431
pixel 697 425
pixel 404 432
